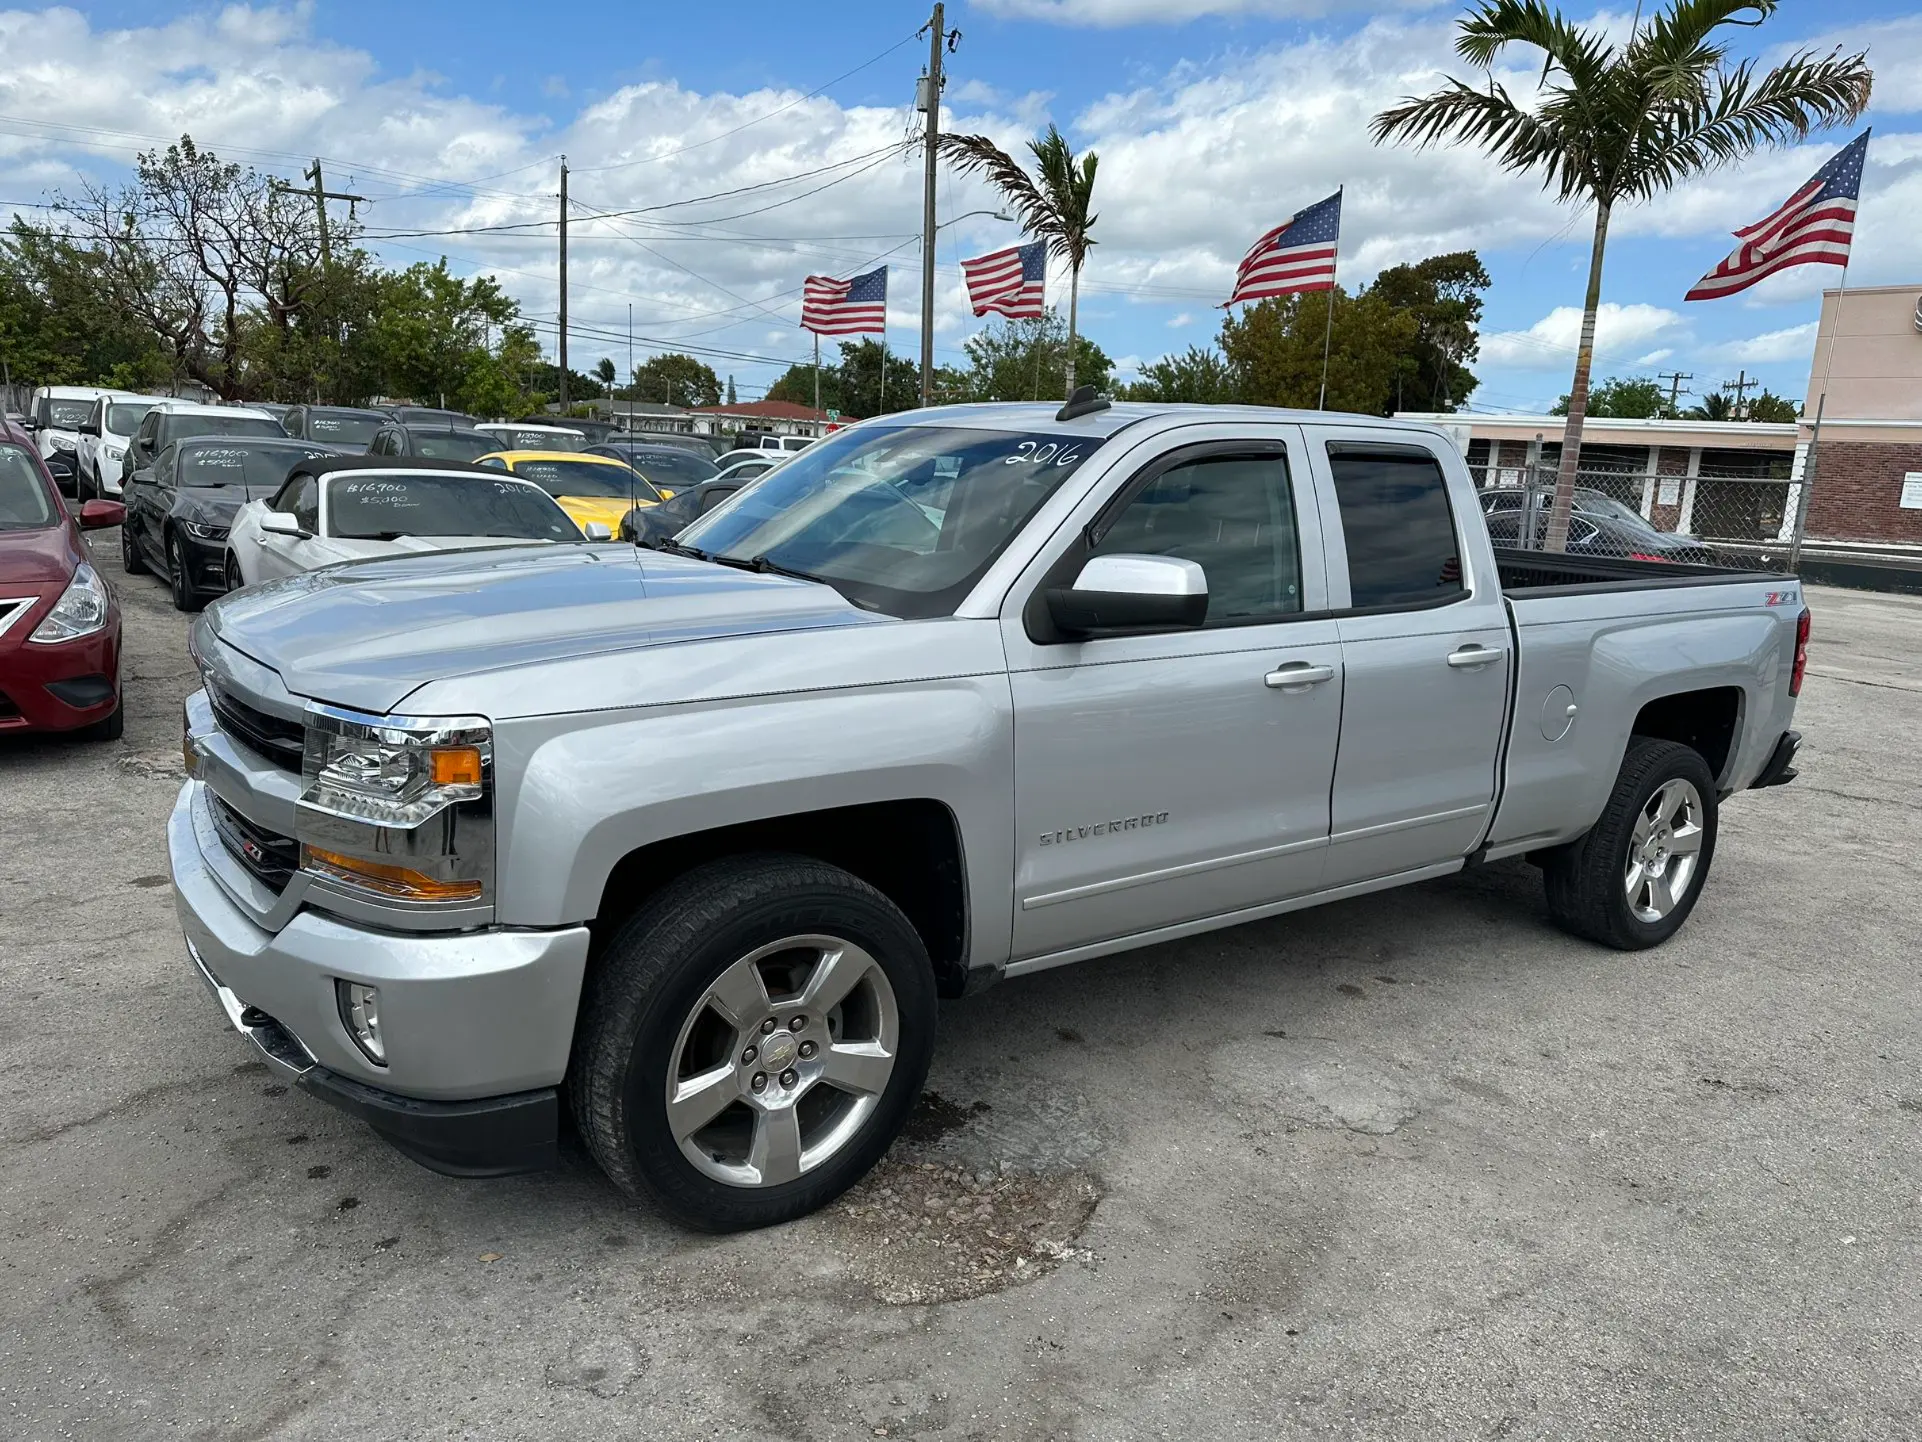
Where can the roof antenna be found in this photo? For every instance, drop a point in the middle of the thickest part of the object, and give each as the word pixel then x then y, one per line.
pixel 1084 402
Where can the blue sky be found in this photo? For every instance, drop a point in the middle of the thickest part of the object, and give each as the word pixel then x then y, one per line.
pixel 1214 118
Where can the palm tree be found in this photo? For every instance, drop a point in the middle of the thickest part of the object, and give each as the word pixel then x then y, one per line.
pixel 1715 406
pixel 1052 204
pixel 1611 125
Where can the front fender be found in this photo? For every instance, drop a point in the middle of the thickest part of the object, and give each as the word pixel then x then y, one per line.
pixel 582 791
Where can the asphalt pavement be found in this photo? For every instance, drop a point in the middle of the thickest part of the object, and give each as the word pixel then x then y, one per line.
pixel 1410 1167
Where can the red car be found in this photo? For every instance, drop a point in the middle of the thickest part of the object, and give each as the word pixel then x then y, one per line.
pixel 59 624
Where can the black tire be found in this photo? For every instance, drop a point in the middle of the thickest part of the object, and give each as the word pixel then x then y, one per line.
pixel 1585 879
pixel 131 561
pixel 235 581
pixel 108 728
pixel 83 491
pixel 652 978
pixel 179 580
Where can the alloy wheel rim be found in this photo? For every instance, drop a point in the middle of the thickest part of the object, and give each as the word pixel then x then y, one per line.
pixel 782 1060
pixel 177 569
pixel 1664 851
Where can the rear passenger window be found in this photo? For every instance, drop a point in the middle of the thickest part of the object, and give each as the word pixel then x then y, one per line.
pixel 1397 524
pixel 1235 517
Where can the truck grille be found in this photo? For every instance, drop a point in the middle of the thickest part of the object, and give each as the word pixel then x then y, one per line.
pixel 273 737
pixel 270 858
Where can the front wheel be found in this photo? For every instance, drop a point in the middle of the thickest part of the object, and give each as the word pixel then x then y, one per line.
pixel 131 561
pixel 235 581
pixel 179 579
pixel 1632 881
pixel 752 1042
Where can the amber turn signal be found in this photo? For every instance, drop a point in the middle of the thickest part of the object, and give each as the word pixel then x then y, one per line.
pixel 457 766
pixel 403 883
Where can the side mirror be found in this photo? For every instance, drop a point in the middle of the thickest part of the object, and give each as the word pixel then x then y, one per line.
pixel 280 523
pixel 1131 593
pixel 597 531
pixel 28 423
pixel 99 515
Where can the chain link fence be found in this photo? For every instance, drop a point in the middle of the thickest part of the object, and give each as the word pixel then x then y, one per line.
pixel 1738 521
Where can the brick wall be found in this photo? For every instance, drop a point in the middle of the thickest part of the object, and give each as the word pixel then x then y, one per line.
pixel 1858 488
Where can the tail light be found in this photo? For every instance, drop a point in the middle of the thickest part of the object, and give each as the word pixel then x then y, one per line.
pixel 1801 652
pixel 1644 556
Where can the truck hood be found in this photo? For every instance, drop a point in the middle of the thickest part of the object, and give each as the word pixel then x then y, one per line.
pixel 365 635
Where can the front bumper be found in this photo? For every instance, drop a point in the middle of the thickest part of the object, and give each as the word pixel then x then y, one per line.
pixel 477 1024
pixel 58 687
pixel 206 563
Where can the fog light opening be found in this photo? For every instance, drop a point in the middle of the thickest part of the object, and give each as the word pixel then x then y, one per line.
pixel 360 1014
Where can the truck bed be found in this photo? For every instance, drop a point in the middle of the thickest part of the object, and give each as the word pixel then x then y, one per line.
pixel 1541 573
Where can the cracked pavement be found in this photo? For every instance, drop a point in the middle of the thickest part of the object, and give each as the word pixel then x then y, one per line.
pixel 1415 1166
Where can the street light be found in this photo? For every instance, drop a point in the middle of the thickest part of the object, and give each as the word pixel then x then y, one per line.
pixel 998 215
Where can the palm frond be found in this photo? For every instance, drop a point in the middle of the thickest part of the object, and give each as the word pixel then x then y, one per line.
pixel 1069 188
pixel 1739 114
pixel 978 155
pixel 1520 139
pixel 1485 33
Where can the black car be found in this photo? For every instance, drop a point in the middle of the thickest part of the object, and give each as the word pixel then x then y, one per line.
pixel 645 525
pixel 179 508
pixel 595 431
pixel 431 441
pixel 168 423
pixel 348 428
pixel 1598 525
pixel 668 467
pixel 431 416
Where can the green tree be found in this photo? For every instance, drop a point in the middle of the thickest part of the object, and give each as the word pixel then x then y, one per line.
pixel 1715 406
pixel 1623 398
pixel 1444 294
pixel 1198 374
pixel 605 372
pixel 1011 360
pixel 1274 351
pixel 1052 205
pixel 431 333
pixel 58 325
pixel 796 386
pixel 1612 124
pixel 858 388
pixel 1768 406
pixel 676 380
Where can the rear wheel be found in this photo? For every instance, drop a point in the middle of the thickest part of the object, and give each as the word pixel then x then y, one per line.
pixel 235 581
pixel 753 1041
pixel 131 561
pixel 1634 878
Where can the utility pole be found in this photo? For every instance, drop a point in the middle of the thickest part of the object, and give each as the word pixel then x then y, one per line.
pixel 1743 382
pixel 1675 391
pixel 929 101
pixel 322 195
pixel 563 342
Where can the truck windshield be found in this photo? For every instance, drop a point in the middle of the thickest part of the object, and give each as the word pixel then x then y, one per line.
pixel 902 520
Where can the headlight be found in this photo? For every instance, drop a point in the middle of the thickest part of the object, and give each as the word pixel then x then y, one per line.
pixel 203 532
pixel 80 611
pixel 113 453
pixel 62 443
pixel 393 771
pixel 398 810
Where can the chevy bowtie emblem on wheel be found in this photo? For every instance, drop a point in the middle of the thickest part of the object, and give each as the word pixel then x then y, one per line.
pixel 1104 828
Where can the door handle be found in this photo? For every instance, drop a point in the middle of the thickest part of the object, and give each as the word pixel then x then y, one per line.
pixel 1469 657
pixel 1297 676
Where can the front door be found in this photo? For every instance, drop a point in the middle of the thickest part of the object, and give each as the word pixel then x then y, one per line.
pixel 1427 650
pixel 1168 777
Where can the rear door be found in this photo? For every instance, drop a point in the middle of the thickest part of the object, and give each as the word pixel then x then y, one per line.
pixel 1425 643
pixel 1170 776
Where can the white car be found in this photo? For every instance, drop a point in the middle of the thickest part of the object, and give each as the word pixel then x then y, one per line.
pixel 355 508
pixel 55 417
pixel 516 437
pixel 104 439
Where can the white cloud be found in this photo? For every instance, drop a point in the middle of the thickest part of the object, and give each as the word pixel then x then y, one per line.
pixel 1176 322
pixel 1655 357
pixel 1796 342
pixel 1551 342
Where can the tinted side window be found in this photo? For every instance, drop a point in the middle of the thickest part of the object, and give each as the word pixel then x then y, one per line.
pixel 1235 517
pixel 715 496
pixel 1398 526
pixel 307 504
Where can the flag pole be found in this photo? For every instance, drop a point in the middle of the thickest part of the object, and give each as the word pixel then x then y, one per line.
pixel 1328 331
pixel 1815 435
pixel 817 372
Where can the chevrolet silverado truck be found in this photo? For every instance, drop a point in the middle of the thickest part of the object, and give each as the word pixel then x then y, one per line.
pixel 689 841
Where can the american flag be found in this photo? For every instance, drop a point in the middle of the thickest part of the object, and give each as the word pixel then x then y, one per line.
pixel 846 307
pixel 1813 228
pixel 1297 255
pixel 1008 281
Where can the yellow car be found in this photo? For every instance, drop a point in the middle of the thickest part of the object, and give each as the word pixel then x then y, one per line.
pixel 588 488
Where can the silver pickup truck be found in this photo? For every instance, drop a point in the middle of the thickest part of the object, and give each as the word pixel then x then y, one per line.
pixel 690 840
